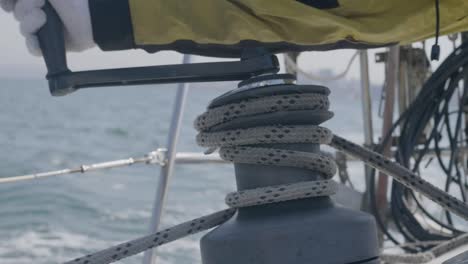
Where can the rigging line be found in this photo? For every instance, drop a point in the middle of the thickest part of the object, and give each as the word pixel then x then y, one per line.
pixel 154 157
pixel 314 77
pixel 422 108
pixel 431 217
pixel 435 51
pixel 429 255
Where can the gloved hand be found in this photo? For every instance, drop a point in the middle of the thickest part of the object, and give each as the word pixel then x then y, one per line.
pixel 74 14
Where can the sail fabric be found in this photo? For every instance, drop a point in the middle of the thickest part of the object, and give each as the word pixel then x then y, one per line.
pixel 224 27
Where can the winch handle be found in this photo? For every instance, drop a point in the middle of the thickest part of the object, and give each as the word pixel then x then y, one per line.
pixel 52 43
pixel 62 81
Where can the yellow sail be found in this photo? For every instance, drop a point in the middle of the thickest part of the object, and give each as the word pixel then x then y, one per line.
pixel 289 22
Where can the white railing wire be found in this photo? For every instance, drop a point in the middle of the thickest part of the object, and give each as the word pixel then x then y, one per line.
pixel 154 157
pixel 157 157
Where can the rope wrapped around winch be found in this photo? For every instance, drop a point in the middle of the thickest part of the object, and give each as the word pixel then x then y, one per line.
pixel 242 146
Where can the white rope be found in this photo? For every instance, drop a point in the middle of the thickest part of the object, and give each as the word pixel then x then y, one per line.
pixel 441 248
pixel 150 158
pixel 414 244
pixel 290 62
pixel 274 194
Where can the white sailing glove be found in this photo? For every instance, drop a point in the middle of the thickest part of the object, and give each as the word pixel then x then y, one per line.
pixel 74 14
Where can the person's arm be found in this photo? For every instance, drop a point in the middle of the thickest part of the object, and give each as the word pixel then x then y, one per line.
pixel 74 14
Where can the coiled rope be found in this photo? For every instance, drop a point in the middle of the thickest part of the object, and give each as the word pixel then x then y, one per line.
pixel 241 146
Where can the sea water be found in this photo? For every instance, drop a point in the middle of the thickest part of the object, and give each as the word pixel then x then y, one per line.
pixel 60 218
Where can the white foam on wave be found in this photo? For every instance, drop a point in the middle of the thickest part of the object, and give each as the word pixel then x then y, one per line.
pixel 60 246
pixel 118 186
pixel 128 215
pixel 186 250
pixel 46 247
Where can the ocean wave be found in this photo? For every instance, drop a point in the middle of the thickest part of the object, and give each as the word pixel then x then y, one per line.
pixel 60 246
pixel 183 251
pixel 46 247
pixel 128 215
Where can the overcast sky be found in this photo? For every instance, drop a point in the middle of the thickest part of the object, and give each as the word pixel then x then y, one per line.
pixel 16 62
